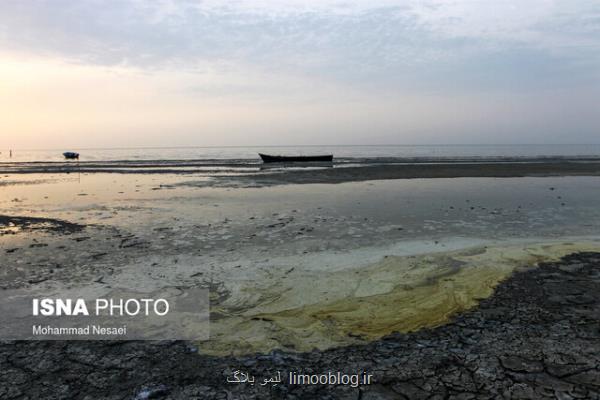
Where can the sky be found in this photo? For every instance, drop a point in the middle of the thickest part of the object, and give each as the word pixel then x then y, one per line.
pixel 132 73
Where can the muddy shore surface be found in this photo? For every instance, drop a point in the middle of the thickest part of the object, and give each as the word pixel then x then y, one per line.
pixel 413 171
pixel 343 254
pixel 26 224
pixel 234 174
pixel 537 336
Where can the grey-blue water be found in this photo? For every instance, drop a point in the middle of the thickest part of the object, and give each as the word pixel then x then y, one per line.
pixel 347 153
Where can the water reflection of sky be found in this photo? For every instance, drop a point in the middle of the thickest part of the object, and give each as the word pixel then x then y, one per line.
pixel 481 207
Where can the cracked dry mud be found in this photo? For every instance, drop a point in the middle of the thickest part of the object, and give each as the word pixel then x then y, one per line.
pixel 537 336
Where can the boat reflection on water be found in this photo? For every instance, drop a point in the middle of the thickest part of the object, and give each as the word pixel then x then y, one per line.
pixel 296 165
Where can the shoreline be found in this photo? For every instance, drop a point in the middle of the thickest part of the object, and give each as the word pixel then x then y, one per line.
pixel 420 171
pixel 490 351
pixel 259 175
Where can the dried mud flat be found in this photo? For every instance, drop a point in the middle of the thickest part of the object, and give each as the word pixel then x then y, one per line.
pixel 537 336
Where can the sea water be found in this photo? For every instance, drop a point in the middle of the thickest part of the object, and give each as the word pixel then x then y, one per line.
pixel 250 153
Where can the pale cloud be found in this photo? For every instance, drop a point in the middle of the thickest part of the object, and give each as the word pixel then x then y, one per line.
pixel 402 71
pixel 153 33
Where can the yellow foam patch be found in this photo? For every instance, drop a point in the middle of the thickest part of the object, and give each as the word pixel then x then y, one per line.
pixel 396 294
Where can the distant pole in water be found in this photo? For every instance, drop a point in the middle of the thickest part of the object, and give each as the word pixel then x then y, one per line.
pixel 10 153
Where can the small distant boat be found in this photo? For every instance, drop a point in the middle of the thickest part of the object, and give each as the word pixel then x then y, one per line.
pixel 69 155
pixel 282 159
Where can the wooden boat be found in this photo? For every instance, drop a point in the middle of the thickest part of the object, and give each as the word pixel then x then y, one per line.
pixel 69 155
pixel 282 159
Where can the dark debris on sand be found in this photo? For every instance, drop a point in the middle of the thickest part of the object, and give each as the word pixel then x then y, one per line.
pixel 10 224
pixel 537 337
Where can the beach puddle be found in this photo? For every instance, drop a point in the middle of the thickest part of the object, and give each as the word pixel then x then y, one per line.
pixel 397 294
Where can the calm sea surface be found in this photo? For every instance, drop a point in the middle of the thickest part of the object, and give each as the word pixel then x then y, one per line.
pixel 350 153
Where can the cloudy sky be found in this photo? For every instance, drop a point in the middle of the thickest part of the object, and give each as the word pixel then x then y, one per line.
pixel 153 73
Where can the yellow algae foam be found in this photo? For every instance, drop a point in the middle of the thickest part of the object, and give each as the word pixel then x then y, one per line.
pixel 397 294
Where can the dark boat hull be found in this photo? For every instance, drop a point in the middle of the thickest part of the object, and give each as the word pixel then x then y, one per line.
pixel 282 159
pixel 71 156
